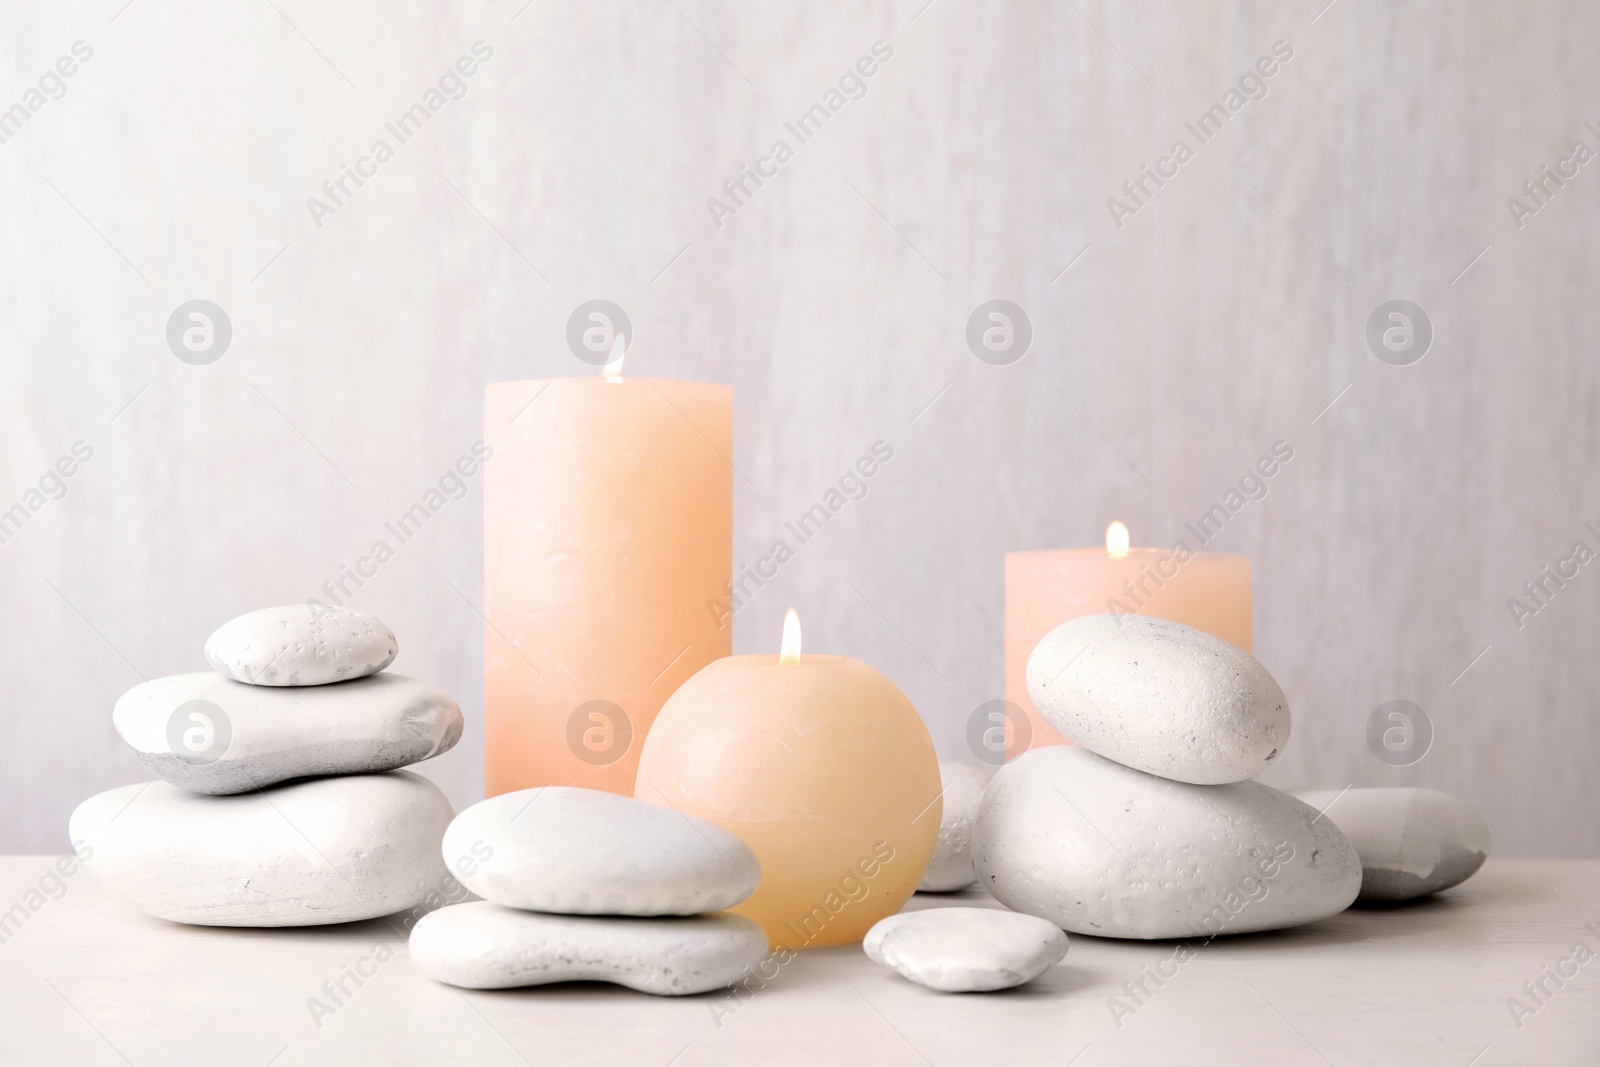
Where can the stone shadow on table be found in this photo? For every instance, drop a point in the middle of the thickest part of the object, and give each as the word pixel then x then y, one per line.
pixel 585 990
pixel 392 928
pixel 1418 920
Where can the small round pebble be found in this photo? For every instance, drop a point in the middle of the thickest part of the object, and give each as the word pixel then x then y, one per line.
pixel 966 950
pixel 300 644
pixel 951 867
pixel 482 945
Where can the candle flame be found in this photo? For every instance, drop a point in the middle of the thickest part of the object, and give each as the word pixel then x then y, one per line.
pixel 791 639
pixel 612 371
pixel 1116 540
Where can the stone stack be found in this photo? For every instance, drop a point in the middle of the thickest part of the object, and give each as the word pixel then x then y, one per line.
pixel 280 801
pixel 1149 826
pixel 582 885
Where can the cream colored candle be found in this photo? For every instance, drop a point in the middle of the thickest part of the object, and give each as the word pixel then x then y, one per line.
pixel 1206 590
pixel 819 764
pixel 608 527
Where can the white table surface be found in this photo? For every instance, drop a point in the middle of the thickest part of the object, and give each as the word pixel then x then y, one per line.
pixel 88 980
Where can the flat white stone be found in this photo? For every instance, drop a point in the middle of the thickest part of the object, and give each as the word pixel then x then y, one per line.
pixel 1098 848
pixel 211 735
pixel 299 644
pixel 585 852
pixel 1160 697
pixel 1412 842
pixel 482 945
pixel 966 950
pixel 330 850
pixel 951 866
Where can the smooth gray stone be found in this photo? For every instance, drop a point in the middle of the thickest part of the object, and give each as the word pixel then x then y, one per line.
pixel 1098 848
pixel 966 950
pixel 300 644
pixel 1159 697
pixel 585 852
pixel 951 866
pixel 482 945
pixel 1412 842
pixel 331 850
pixel 211 735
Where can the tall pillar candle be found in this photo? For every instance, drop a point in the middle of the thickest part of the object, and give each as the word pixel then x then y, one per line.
pixel 608 530
pixel 1206 590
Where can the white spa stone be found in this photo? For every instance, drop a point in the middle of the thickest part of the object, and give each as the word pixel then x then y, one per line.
pixel 210 735
pixel 966 950
pixel 300 644
pixel 1160 697
pixel 331 850
pixel 585 852
pixel 1098 848
pixel 1412 842
pixel 951 866
pixel 483 945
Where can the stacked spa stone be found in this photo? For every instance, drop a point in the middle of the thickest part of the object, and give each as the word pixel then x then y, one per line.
pixel 581 885
pixel 280 802
pixel 1149 826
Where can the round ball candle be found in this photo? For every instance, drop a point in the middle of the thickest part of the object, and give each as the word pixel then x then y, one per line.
pixel 608 526
pixel 822 767
pixel 1206 590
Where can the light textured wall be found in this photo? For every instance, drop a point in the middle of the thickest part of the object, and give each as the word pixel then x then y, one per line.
pixel 1225 315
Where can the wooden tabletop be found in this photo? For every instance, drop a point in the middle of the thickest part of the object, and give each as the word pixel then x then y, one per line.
pixel 87 980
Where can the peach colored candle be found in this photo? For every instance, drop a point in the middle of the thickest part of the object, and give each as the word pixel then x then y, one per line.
pixel 819 764
pixel 608 526
pixel 1206 590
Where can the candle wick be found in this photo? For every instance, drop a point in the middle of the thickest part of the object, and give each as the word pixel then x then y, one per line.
pixel 612 371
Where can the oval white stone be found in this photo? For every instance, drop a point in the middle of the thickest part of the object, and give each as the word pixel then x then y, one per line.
pixel 331 850
pixel 966 950
pixel 482 945
pixel 1160 697
pixel 585 852
pixel 1098 848
pixel 1412 842
pixel 300 645
pixel 951 866
pixel 253 736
